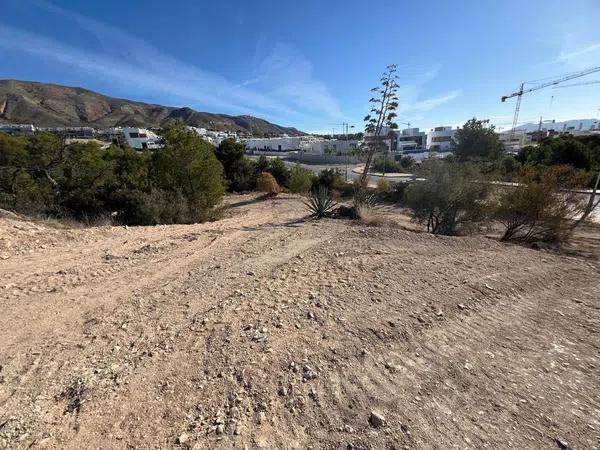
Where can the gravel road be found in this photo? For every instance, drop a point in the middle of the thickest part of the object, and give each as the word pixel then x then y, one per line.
pixel 265 330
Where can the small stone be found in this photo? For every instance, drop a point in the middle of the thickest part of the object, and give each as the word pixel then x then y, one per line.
pixel 220 428
pixel 462 306
pixel 376 419
pixel 183 439
pixel 262 417
pixel 562 444
pixel 439 313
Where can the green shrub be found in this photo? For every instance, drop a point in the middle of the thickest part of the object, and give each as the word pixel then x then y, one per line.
pixel 238 169
pixel 384 187
pixel 279 170
pixel 301 179
pixel 329 178
pixel 451 200
pixel 187 164
pixel 540 209
pixel 387 165
pixel 181 183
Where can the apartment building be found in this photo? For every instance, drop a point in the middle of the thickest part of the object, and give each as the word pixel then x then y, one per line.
pixel 440 139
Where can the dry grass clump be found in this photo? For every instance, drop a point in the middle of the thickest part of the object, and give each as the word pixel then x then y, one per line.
pixel 268 184
pixel 372 218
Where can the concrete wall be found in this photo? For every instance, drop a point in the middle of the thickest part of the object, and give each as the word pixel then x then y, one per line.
pixel 328 146
pixel 312 158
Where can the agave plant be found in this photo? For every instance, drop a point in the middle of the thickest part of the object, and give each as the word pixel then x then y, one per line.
pixel 320 203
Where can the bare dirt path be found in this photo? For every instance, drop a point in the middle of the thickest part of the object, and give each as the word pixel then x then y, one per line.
pixel 266 331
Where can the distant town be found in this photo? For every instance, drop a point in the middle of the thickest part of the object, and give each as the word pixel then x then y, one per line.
pixel 419 144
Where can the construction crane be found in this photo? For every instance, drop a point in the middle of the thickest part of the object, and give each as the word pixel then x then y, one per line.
pixel 519 93
pixel 584 83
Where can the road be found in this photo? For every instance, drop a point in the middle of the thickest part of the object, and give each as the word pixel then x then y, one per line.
pixel 351 175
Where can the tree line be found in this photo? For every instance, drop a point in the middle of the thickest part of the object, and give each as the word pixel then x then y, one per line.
pixel 183 182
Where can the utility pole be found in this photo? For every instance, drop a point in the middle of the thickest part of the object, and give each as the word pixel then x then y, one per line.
pixel 348 148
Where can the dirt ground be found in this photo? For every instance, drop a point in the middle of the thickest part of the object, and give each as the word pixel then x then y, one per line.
pixel 263 330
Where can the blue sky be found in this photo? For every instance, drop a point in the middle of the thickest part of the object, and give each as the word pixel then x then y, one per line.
pixel 310 64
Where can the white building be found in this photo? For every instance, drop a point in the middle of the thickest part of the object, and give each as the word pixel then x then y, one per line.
pixel 514 141
pixel 333 147
pixel 440 139
pixel 141 139
pixel 213 137
pixel 409 139
pixel 15 128
pixel 276 144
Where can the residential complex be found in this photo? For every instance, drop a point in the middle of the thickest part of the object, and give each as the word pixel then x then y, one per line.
pixel 141 139
pixel 438 140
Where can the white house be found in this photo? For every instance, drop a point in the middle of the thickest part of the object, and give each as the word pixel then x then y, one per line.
pixel 328 146
pixel 439 139
pixel 141 139
pixel 275 144
pixel 213 137
pixel 410 139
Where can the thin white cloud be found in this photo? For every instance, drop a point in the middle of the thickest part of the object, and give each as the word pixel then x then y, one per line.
pixel 431 103
pixel 565 56
pixel 286 74
pixel 132 62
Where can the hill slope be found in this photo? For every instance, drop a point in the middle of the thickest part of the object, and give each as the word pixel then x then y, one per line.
pixel 52 105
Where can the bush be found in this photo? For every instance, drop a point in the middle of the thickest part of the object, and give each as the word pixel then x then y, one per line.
pixel 187 164
pixel 398 192
pixel 329 178
pixel 539 210
pixel 387 165
pixel 384 187
pixel 279 170
pixel 450 201
pixel 301 179
pixel 268 184
pixel 406 162
pixel 238 170
pixel 181 183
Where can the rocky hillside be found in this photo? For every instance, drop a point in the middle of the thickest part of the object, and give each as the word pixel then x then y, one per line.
pixel 53 105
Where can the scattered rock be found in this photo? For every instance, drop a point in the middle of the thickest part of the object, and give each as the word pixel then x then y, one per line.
pixel 562 444
pixel 376 419
pixel 183 439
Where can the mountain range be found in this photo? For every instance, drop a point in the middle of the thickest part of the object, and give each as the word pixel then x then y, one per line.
pixel 44 104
